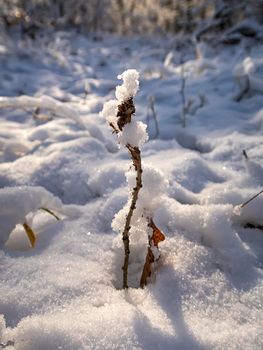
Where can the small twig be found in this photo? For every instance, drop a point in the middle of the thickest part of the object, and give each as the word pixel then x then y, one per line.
pixel 253 226
pixel 182 92
pixel 251 199
pixel 151 109
pixel 244 88
pixel 245 154
pixel 202 99
pixel 86 90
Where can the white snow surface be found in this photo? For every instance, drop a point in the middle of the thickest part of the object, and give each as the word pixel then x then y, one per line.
pixel 206 291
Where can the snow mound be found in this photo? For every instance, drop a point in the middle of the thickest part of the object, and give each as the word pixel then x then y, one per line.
pixel 105 179
pixel 206 289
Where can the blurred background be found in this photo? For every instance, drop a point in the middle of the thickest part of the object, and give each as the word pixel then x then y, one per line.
pixel 132 17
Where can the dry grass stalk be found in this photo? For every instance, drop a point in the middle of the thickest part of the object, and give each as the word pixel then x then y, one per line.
pixel 251 199
pixel 244 87
pixel 50 212
pixel 151 112
pixel 182 92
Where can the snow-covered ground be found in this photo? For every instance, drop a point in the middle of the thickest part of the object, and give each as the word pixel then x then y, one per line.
pixel 57 152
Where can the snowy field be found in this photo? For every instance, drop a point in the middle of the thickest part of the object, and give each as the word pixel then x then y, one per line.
pixel 57 152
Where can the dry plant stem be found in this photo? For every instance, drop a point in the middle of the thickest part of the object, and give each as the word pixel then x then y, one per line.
pixel 136 159
pixel 50 212
pixel 245 154
pixel 182 92
pixel 244 88
pixel 251 199
pixel 154 116
pixel 125 112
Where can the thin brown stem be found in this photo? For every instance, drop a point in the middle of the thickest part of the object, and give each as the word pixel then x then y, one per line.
pixel 136 159
pixel 125 112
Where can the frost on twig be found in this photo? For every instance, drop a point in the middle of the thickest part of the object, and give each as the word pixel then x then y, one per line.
pixel 131 134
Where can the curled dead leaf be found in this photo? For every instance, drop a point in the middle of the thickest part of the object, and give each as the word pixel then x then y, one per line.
pixel 157 235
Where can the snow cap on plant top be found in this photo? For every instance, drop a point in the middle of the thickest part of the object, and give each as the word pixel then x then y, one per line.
pixel 129 132
pixel 130 85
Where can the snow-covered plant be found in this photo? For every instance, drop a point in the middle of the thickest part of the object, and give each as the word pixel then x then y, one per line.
pixel 146 184
pixel 17 203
